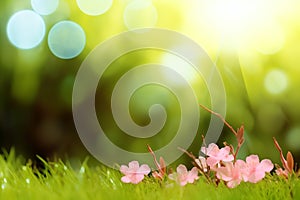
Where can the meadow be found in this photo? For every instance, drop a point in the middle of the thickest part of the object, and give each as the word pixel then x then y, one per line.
pixel 21 179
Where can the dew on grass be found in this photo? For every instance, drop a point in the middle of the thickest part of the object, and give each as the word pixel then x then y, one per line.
pixel 44 7
pixel 82 170
pixel 276 82
pixel 25 29
pixel 3 186
pixel 4 180
pixel 140 14
pixel 113 184
pixel 108 173
pixel 27 180
pixel 94 7
pixel 66 39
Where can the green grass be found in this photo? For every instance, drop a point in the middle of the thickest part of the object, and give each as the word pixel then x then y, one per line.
pixel 20 180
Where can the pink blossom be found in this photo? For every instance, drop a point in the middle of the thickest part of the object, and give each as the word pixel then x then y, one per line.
pixel 255 170
pixel 201 162
pixel 231 173
pixel 183 176
pixel 216 155
pixel 134 173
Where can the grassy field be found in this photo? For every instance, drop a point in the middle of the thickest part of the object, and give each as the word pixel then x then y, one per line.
pixel 20 180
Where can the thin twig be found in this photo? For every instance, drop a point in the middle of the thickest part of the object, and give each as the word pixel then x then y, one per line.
pixel 187 153
pixel 201 168
pixel 222 118
pixel 155 160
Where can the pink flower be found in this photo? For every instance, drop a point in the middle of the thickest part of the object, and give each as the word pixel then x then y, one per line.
pixel 216 155
pixel 231 173
pixel 255 170
pixel 201 162
pixel 184 176
pixel 134 173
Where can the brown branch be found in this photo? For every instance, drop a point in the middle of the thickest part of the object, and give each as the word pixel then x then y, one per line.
pixel 239 134
pixel 283 160
pixel 155 160
pixel 201 168
pixel 187 153
pixel 222 118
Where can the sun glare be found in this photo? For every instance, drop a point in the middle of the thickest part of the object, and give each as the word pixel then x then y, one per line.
pixel 232 16
pixel 244 22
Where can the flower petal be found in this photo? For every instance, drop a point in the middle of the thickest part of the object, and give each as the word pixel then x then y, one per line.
pixel 193 175
pixel 210 150
pixel 252 160
pixel 134 165
pixel 144 169
pixel 225 150
pixel 124 169
pixel 228 158
pixel 183 182
pixel 244 170
pixel 233 183
pixel 256 176
pixel 181 169
pixel 201 162
pixel 212 161
pixel 266 165
pixel 137 178
pixel 126 179
pixel 224 173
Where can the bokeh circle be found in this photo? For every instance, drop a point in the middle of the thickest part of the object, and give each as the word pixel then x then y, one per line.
pixel 66 39
pixel 44 7
pixel 140 14
pixel 94 7
pixel 26 29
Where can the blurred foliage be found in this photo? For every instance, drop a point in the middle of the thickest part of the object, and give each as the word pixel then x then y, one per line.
pixel 255 45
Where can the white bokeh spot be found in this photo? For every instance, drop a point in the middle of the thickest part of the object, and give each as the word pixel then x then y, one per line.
pixel 276 81
pixel 140 14
pixel 66 39
pixel 25 29
pixel 44 7
pixel 94 7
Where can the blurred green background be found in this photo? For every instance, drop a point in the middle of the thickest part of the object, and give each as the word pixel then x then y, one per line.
pixel 255 45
